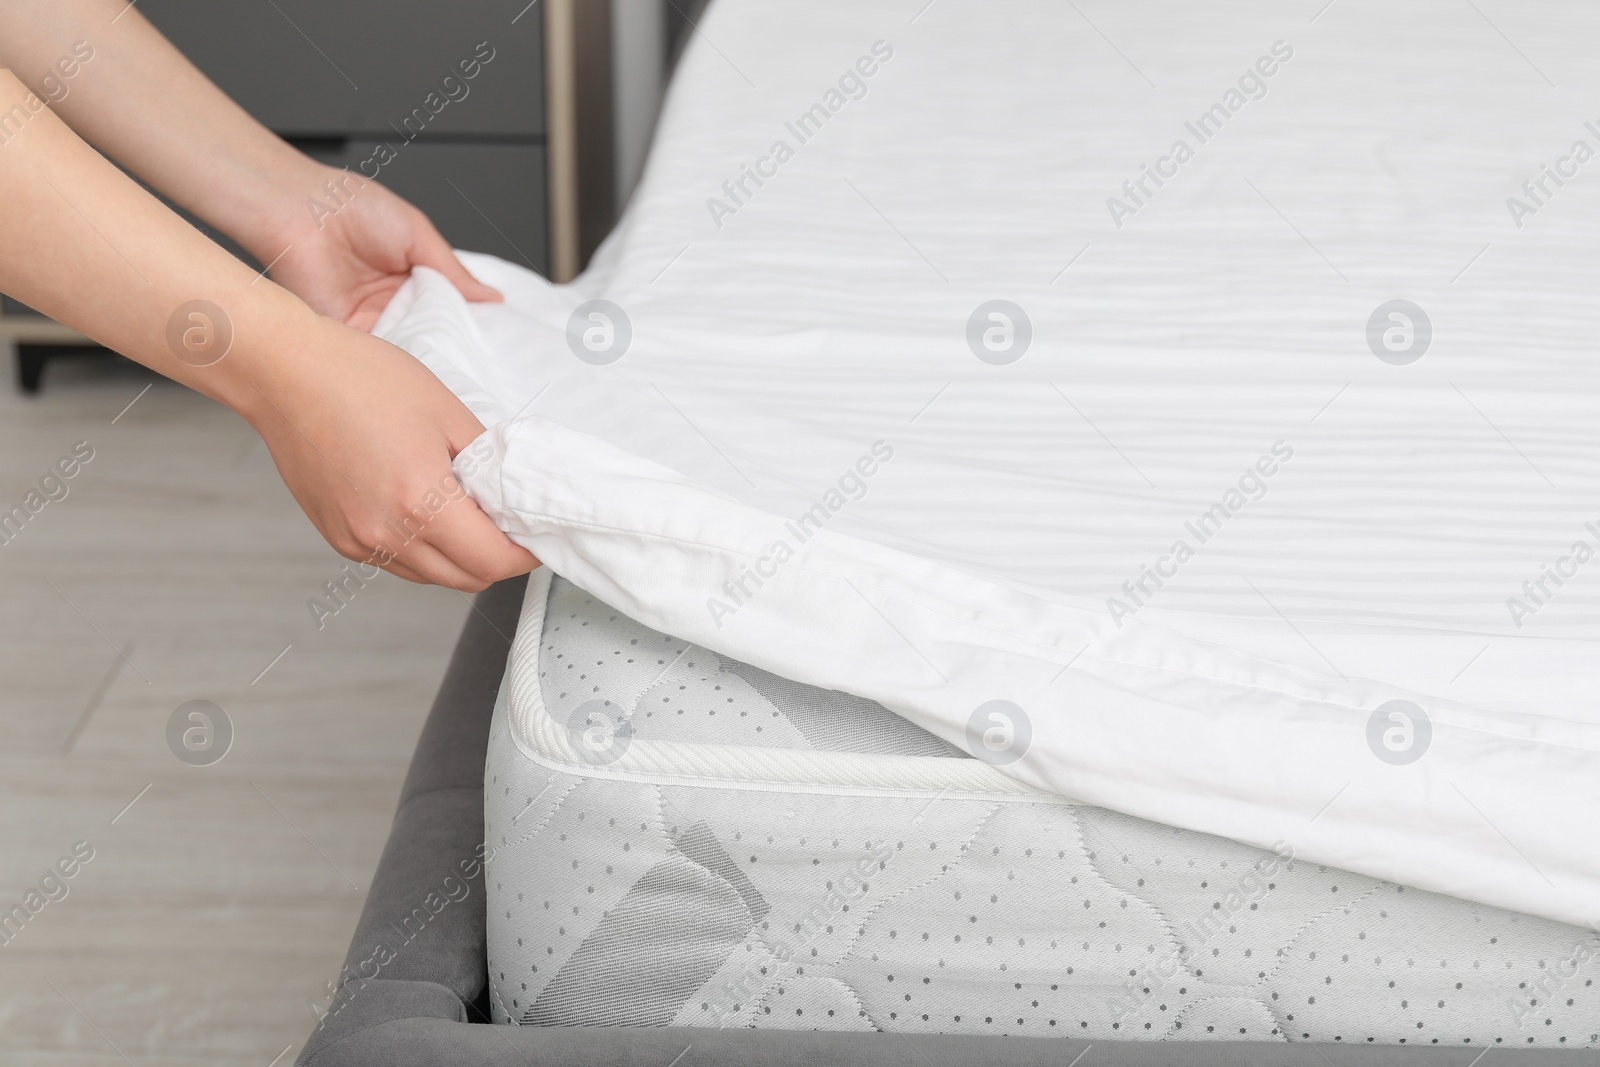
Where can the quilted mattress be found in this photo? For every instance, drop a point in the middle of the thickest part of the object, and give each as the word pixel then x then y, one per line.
pixel 679 839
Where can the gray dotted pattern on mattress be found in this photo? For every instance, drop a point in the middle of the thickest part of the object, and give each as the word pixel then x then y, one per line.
pixel 635 904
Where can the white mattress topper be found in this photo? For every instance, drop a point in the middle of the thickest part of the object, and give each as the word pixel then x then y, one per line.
pixel 1358 531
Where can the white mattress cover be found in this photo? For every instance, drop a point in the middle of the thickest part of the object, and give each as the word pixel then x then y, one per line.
pixel 1226 316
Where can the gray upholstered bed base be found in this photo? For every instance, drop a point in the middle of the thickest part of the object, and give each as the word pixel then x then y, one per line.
pixel 413 991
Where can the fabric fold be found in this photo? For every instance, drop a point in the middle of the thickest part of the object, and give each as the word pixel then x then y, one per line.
pixel 1139 719
pixel 1487 804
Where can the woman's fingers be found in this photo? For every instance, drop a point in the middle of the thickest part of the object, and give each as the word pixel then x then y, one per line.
pixel 435 568
pixel 400 570
pixel 432 250
pixel 463 534
pixel 348 264
pixel 367 453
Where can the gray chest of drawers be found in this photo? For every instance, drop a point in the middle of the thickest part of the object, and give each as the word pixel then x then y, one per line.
pixel 443 101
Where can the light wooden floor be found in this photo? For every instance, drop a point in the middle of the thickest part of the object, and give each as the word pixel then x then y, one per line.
pixel 178 568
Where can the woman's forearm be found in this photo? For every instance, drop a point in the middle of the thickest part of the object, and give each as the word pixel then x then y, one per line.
pixel 87 246
pixel 124 88
pixel 359 429
pixel 140 101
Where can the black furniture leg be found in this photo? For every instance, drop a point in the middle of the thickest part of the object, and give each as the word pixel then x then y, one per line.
pixel 30 367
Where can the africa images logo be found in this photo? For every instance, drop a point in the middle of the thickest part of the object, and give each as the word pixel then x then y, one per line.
pixel 850 486
pixel 737 192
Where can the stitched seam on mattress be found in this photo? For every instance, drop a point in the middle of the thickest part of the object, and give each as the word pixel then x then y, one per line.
pixel 517 844
pixel 848 950
pixel 1277 1020
pixel 494 989
pixel 660 680
pixel 966 849
pixel 1305 927
pixel 544 821
pixel 766 995
pixel 1168 1035
pixel 855 998
pixel 672 849
pixel 1161 917
pixel 689 781
pixel 770 960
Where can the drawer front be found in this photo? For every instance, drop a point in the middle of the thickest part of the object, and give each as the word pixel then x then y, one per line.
pixel 309 67
pixel 483 197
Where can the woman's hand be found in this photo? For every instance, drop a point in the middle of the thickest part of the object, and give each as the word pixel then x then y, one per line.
pixel 364 440
pixel 345 244
pixel 363 436
pixel 362 433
